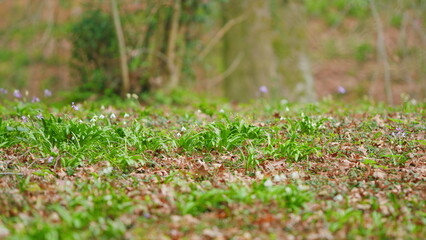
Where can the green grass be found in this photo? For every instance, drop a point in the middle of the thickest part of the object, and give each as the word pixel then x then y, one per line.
pixel 272 170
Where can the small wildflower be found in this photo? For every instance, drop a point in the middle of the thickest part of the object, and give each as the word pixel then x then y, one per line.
pixel 17 93
pixel 341 90
pixel 94 119
pixel 128 95
pixel 39 116
pixel 399 132
pixel 279 178
pixel 3 91
pixel 222 111
pixel 112 116
pixel 80 121
pixel 183 129
pixel 35 100
pixel 24 118
pixel 263 89
pixel 75 107
pixel 50 159
pixel 268 183
pixel 102 107
pixel 338 198
pixel 101 116
pixel 126 115
pixel 178 135
pixel 135 96
pixel 47 93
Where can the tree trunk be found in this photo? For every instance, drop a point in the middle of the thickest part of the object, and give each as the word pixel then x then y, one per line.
pixel 250 40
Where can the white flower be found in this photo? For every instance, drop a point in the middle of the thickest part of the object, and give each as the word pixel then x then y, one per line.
pixel 178 135
pixel 80 121
pixel 112 116
pixel 94 119
pixel 126 115
pixel 338 198
pixel 221 111
pixel 101 116
pixel 279 178
pixel 183 129
pixel 268 183
pixel 102 107
pixel 295 175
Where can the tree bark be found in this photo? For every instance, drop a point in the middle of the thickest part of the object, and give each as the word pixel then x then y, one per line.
pixel 251 39
pixel 122 48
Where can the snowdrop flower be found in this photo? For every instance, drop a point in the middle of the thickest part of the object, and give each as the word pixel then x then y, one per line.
pixel 222 111
pixel 17 93
pixel 94 119
pixel 126 115
pixel 183 129
pixel 263 89
pixel 80 121
pixel 338 198
pixel 268 183
pixel 295 175
pixel 35 99
pixel 112 116
pixel 279 178
pixel 101 116
pixel 47 93
pixel 341 90
pixel 178 135
pixel 75 107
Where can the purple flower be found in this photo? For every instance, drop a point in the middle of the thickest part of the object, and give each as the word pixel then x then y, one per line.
pixel 3 91
pixel 50 159
pixel 24 119
pixel 75 107
pixel 341 90
pixel 17 93
pixel 399 132
pixel 35 99
pixel 47 93
pixel 263 89
pixel 39 116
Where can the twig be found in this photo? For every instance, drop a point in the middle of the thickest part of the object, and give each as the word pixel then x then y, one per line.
pixel 122 48
pixel 10 173
pixel 218 79
pixel 219 35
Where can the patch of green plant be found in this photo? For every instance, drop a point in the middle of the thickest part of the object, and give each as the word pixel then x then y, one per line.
pixel 200 200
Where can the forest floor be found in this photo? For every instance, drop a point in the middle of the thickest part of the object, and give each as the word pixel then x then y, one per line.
pixel 210 170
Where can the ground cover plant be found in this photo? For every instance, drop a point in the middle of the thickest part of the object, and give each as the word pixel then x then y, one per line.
pixel 203 169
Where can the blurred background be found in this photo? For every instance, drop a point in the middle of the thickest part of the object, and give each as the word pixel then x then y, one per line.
pixel 299 50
